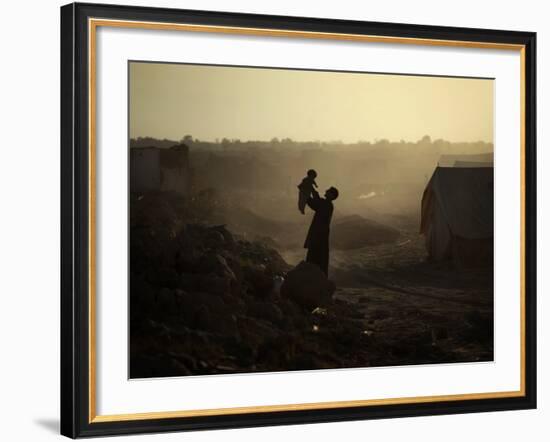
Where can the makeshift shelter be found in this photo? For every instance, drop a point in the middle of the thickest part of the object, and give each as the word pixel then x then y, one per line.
pixel 471 164
pixel 153 168
pixel 472 160
pixel 457 215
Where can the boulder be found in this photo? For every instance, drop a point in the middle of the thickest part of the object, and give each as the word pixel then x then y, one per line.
pixel 189 281
pixel 267 311
pixel 167 277
pixel 308 286
pixel 217 264
pixel 276 286
pixel 229 241
pixel 142 296
pixel 188 259
pixel 210 319
pixel 213 239
pixel 212 283
pixel 259 279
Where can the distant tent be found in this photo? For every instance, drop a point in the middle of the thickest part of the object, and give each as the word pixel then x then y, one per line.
pixel 160 169
pixel 457 215
pixel 471 164
pixel 477 160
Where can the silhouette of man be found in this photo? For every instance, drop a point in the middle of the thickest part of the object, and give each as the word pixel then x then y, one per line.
pixel 317 236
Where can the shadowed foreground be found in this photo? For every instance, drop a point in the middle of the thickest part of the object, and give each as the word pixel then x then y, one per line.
pixel 203 300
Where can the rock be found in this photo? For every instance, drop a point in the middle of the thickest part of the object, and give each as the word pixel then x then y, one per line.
pixel 255 332
pixel 294 317
pixel 233 263
pixel 276 286
pixel 347 333
pixel 259 254
pixel 215 284
pixel 166 301
pixel 152 246
pixel 190 302
pixel 188 259
pixel 278 351
pixel 214 321
pixel 266 310
pixel 267 241
pixel 205 311
pixel 209 283
pixel 259 279
pixel 167 277
pixel 216 264
pixel 142 296
pixel 308 286
pixel 229 240
pixel 213 239
pixel 203 318
pixel 319 311
pixel 189 281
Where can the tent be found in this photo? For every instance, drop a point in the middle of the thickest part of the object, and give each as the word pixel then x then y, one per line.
pixel 164 169
pixel 457 215
pixel 480 159
pixel 471 164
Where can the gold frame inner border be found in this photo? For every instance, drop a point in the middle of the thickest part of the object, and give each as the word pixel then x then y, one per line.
pixel 93 24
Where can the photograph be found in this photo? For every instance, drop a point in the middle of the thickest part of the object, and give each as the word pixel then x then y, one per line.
pixel 295 219
pixel 278 220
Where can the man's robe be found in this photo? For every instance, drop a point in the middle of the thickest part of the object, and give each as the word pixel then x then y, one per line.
pixel 317 240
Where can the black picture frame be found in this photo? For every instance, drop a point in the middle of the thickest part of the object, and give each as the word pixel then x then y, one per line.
pixel 75 220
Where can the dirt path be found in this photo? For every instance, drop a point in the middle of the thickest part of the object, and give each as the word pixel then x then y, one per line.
pixel 414 311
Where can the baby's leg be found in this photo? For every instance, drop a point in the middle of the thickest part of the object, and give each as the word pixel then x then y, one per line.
pixel 302 199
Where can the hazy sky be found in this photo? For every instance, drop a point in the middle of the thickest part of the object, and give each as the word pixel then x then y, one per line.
pixel 209 102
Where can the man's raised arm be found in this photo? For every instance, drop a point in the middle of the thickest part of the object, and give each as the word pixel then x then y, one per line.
pixel 313 201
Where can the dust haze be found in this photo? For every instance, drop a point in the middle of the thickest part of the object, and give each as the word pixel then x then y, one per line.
pixel 253 184
pixel 217 278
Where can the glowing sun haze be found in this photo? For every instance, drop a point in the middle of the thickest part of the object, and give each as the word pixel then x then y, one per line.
pixel 210 102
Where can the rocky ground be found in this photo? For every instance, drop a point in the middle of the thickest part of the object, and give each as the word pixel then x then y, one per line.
pixel 205 300
pixel 414 311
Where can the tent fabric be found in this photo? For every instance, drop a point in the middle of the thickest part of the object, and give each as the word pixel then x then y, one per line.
pixel 457 203
pixel 471 164
pixel 451 160
pixel 438 236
